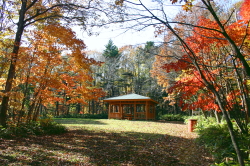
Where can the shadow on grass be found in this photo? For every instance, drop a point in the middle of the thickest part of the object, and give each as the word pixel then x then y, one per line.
pixel 159 121
pixel 84 147
pixel 174 122
pixel 78 121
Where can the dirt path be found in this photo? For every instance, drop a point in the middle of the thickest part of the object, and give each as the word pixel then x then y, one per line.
pixel 85 147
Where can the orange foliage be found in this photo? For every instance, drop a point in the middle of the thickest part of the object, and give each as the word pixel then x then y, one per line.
pixel 212 53
pixel 245 10
pixel 181 64
pixel 55 64
pixel 193 93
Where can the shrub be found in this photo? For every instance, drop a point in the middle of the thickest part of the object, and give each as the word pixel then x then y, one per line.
pixel 172 117
pixel 51 127
pixel 44 126
pixel 87 116
pixel 216 138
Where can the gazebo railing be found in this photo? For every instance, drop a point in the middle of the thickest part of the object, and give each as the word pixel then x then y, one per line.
pixel 115 115
pixel 151 116
pixel 140 115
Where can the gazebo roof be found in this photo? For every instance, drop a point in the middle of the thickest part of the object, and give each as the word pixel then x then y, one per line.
pixel 129 97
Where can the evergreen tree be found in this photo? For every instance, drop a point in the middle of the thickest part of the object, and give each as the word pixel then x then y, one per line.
pixel 111 66
pixel 111 50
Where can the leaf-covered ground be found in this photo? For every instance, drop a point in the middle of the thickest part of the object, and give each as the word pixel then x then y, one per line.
pixel 108 142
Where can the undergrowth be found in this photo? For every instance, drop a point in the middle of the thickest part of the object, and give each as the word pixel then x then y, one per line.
pixel 216 138
pixel 172 117
pixel 41 127
pixel 86 116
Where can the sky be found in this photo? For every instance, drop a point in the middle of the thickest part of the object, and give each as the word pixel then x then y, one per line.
pixel 119 36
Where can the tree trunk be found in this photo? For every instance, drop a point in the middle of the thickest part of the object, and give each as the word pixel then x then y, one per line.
pixel 37 111
pixel 57 109
pixel 12 68
pixel 217 116
pixel 232 134
pixel 210 86
pixel 89 106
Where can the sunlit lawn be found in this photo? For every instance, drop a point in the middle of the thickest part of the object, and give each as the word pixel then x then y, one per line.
pixel 143 128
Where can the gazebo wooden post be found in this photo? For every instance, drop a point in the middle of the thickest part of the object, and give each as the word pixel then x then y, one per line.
pixel 154 112
pixel 120 110
pixel 135 111
pixel 109 110
pixel 131 107
pixel 146 110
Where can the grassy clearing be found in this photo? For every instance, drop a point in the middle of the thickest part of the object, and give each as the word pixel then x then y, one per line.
pixel 96 142
pixel 145 129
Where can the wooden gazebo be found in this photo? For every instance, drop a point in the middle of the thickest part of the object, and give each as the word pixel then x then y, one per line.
pixel 131 106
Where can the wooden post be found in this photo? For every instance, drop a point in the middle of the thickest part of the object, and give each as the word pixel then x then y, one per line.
pixel 191 124
pixel 154 110
pixel 146 110
pixel 132 113
pixel 135 111
pixel 109 110
pixel 120 110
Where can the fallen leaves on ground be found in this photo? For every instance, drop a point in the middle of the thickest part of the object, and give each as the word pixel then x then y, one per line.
pixel 89 148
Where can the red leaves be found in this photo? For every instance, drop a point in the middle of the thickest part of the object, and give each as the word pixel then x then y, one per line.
pixel 207 35
pixel 208 63
pixel 192 93
pixel 237 32
pixel 245 10
pixel 181 64
pixel 203 38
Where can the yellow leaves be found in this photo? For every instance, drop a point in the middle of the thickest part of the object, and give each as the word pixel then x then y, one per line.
pixel 2 83
pixel 187 6
pixel 53 63
pixel 67 38
pixel 119 2
pixel 185 76
pixel 57 73
pixel 15 98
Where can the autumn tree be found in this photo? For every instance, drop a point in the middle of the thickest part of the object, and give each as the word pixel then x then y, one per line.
pixel 33 14
pixel 212 49
pixel 52 70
